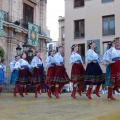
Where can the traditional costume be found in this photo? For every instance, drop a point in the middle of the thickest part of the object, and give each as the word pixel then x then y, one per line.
pixel 37 74
pixel 113 56
pixel 93 74
pixel 77 72
pixel 24 76
pixel 15 66
pixel 60 78
pixel 51 67
pixel 108 70
pixel 2 76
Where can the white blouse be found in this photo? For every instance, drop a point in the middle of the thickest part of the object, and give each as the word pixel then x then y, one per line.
pixel 23 63
pixel 111 54
pixel 36 61
pixel 3 67
pixel 49 61
pixel 12 65
pixel 17 65
pixel 91 55
pixel 75 57
pixel 58 59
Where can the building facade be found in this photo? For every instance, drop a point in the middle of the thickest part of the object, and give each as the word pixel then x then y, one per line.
pixel 17 14
pixel 61 39
pixel 87 20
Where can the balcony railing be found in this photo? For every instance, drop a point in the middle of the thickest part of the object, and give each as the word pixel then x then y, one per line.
pixel 79 35
pixel 24 24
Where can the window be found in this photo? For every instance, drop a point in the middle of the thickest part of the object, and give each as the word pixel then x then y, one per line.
pixel 108 25
pixel 79 29
pixel 81 51
pixel 104 1
pixel 78 3
pixel 105 46
pixel 50 46
pixel 28 13
pixel 63 33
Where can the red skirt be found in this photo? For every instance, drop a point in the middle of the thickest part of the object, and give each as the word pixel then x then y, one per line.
pixel 115 73
pixel 50 75
pixel 24 77
pixel 37 76
pixel 77 73
pixel 61 76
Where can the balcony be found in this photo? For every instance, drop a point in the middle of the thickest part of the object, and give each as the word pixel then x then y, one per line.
pixel 24 24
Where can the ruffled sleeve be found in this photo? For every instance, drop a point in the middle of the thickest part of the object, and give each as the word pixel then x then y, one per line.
pixel 72 58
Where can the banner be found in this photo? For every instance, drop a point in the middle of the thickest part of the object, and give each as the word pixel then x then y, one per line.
pixel 32 34
pixel 1 22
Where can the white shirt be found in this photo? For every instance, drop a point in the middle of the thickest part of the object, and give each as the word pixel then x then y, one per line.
pixel 36 61
pixel 49 61
pixel 58 58
pixel 12 65
pixel 23 62
pixel 111 54
pixel 3 67
pixel 75 57
pixel 91 55
pixel 17 65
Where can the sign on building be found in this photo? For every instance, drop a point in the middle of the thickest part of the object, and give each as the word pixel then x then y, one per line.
pixel 1 22
pixel 97 41
pixel 32 34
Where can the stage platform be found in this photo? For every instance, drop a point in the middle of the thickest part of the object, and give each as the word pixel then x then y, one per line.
pixel 65 108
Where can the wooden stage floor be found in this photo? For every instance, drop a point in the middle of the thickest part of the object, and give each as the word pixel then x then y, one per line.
pixel 65 108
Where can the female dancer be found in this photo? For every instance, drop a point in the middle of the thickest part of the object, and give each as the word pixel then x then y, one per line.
pixel 2 76
pixel 93 74
pixel 114 59
pixel 60 78
pixel 24 74
pixel 38 72
pixel 50 64
pixel 77 72
pixel 15 66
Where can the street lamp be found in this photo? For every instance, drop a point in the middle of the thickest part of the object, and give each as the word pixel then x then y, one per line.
pixel 25 47
pixel 18 49
pixel 27 50
pixel 30 52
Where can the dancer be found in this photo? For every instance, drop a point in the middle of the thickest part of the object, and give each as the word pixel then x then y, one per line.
pixel 2 76
pixel 77 72
pixel 93 74
pixel 15 66
pixel 12 64
pixel 50 64
pixel 113 58
pixel 60 78
pixel 38 73
pixel 24 75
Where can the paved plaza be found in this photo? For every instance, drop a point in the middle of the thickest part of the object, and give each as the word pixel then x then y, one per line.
pixel 65 108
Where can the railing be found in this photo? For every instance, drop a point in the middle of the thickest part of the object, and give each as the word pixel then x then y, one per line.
pixel 79 35
pixel 24 24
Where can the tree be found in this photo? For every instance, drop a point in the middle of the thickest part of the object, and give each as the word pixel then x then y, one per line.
pixel 2 54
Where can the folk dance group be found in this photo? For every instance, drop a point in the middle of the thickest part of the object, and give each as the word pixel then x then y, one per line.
pixel 24 74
